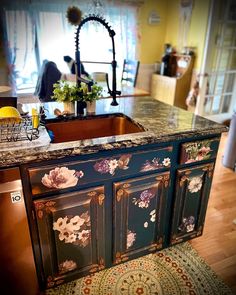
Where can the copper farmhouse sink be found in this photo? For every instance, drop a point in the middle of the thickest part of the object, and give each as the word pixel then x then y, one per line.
pixel 91 127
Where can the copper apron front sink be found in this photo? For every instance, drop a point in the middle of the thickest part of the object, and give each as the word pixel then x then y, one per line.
pixel 91 127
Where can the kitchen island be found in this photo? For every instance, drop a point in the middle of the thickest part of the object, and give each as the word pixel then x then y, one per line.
pixel 97 202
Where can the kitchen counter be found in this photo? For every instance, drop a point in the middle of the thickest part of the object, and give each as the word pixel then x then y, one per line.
pixel 163 123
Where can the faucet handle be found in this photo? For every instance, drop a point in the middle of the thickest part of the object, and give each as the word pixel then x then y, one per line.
pixel 108 87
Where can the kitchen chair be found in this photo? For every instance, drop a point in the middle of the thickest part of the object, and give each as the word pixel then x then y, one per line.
pixel 130 72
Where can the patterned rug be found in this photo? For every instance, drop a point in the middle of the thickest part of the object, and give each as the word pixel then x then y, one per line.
pixel 175 271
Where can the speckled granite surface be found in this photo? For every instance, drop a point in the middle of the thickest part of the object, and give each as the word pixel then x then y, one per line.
pixel 162 122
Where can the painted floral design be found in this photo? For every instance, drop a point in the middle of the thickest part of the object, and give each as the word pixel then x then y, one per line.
pixel 131 237
pixel 75 230
pixel 66 266
pixel 110 165
pixel 195 184
pixel 166 162
pixel 47 207
pixel 155 163
pixel 187 224
pixel 153 215
pixel 144 199
pixel 145 224
pixel 152 218
pixel 197 151
pixel 61 177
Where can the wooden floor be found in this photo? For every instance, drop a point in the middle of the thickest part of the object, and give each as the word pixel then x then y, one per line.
pixel 217 245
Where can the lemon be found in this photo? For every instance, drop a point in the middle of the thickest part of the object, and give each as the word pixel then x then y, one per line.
pixel 10 114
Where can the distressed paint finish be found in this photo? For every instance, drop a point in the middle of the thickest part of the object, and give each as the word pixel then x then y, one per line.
pixel 138 228
pixel 191 202
pixel 71 215
pixel 52 178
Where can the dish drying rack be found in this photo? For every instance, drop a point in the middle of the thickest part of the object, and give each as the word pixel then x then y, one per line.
pixel 11 131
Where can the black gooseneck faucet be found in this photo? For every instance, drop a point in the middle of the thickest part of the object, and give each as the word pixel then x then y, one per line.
pixel 113 92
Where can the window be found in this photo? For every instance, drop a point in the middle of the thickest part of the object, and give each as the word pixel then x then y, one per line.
pixel 40 31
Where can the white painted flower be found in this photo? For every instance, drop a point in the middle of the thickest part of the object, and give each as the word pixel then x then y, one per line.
pixel 64 234
pixel 71 238
pixel 131 237
pixel 143 204
pixel 153 218
pixel 145 224
pixel 153 215
pixel 112 165
pixel 60 224
pixel 153 212
pixel 166 162
pixel 60 177
pixel 75 223
pixel 195 184
pixel 189 228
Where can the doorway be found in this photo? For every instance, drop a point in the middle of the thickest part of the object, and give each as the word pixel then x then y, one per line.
pixel 218 84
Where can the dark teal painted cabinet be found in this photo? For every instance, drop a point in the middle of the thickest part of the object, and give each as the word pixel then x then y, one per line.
pixel 139 214
pixel 190 204
pixel 93 212
pixel 71 234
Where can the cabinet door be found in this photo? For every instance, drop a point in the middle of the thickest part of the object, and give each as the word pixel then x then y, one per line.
pixel 71 235
pixel 192 192
pixel 139 214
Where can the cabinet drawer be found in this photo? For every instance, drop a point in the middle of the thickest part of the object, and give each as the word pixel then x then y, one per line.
pixel 200 150
pixel 74 174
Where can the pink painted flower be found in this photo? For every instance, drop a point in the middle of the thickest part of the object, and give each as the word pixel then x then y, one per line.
pixel 131 237
pixel 67 265
pixel 102 166
pixel 60 177
pixel 190 161
pixel 84 235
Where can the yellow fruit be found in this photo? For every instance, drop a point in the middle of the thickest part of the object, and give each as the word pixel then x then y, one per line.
pixel 10 114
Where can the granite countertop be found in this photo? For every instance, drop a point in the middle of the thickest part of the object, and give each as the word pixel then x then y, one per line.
pixel 162 123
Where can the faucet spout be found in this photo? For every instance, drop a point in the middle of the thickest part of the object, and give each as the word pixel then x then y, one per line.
pixel 113 92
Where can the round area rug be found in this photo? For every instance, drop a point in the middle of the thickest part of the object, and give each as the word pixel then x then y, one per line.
pixel 174 271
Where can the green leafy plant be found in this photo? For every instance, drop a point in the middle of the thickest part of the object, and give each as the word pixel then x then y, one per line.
pixel 68 92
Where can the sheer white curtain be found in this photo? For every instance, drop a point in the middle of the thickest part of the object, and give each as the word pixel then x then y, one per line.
pixel 96 44
pixel 20 31
pixel 40 30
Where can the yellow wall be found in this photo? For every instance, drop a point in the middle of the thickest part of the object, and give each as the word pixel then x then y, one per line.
pixel 153 37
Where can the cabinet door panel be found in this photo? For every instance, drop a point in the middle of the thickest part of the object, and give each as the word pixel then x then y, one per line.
pixel 71 234
pixel 139 211
pixel 192 193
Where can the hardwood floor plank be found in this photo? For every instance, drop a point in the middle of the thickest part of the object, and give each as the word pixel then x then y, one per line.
pixel 217 245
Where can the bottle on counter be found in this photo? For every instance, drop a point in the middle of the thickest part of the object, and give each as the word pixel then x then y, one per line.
pixel 165 62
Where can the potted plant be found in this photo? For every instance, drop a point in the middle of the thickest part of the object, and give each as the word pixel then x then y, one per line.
pixel 90 97
pixel 68 93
